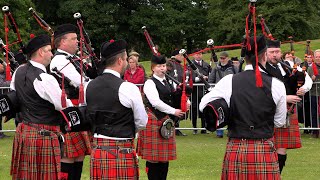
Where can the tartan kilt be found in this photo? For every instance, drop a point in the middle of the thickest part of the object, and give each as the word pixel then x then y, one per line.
pixel 35 156
pixel 151 145
pixel 288 137
pixel 77 144
pixel 112 164
pixel 250 159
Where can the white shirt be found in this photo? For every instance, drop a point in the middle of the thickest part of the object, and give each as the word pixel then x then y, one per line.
pixel 48 88
pixel 223 89
pixel 152 95
pixel 67 68
pixel 130 97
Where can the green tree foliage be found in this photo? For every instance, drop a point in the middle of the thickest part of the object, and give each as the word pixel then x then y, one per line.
pixel 19 11
pixel 297 18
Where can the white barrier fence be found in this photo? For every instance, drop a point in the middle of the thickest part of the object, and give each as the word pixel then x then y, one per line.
pixel 307 110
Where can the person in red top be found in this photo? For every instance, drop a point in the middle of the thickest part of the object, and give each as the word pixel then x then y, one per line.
pixel 134 73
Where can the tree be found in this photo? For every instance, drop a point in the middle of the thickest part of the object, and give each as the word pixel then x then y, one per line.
pixel 284 18
pixel 19 11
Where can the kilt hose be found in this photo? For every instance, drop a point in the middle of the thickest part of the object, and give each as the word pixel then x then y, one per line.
pixel 36 156
pixel 109 162
pixel 152 146
pixel 288 137
pixel 77 144
pixel 250 160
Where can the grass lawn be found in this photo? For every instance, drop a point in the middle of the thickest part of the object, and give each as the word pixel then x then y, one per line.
pixel 199 157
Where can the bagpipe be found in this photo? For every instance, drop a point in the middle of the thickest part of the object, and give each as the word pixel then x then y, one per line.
pixel 86 49
pixel 10 61
pixel 183 90
pixel 43 24
pixel 213 57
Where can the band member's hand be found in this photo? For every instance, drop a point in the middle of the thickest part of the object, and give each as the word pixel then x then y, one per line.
pixel 313 77
pixel 188 105
pixel 179 113
pixel 205 77
pixel 293 99
pixel 301 92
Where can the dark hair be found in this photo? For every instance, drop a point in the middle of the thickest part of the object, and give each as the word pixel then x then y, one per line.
pixel 285 53
pixel 252 59
pixel 57 41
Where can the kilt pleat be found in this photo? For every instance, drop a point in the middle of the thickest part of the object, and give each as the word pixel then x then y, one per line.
pixel 290 137
pixel 112 164
pixel 250 160
pixel 151 146
pixel 77 144
pixel 35 156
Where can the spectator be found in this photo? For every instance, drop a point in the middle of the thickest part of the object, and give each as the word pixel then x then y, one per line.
pixel 304 115
pixel 314 74
pixel 134 73
pixel 3 83
pixel 224 68
pixel 198 91
pixel 136 56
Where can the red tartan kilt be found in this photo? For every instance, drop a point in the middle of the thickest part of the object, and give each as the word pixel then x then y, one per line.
pixel 250 159
pixel 111 164
pixel 152 146
pixel 288 137
pixel 77 144
pixel 35 156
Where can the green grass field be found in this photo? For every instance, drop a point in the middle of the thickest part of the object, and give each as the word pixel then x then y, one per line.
pixel 199 158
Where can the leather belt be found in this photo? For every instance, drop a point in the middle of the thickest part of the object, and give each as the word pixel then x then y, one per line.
pixel 45 132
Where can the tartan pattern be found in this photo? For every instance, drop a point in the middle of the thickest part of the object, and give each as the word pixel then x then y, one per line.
pixel 77 144
pixel 111 164
pixel 35 156
pixel 288 137
pixel 250 159
pixel 151 146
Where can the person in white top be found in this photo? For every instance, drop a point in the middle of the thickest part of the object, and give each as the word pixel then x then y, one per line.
pixel 156 144
pixel 77 143
pixel 36 148
pixel 287 137
pixel 254 112
pixel 116 112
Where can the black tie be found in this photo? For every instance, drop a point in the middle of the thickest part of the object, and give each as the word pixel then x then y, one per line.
pixel 277 71
pixel 166 84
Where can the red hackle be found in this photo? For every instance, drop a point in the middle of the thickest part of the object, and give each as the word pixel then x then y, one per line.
pixel 8 73
pixel 32 36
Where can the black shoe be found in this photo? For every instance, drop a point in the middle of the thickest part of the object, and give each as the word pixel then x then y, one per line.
pixel 204 132
pixel 179 133
pixel 195 132
pixel 219 136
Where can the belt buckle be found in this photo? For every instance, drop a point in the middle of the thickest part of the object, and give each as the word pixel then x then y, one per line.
pixel 43 132
pixel 125 150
